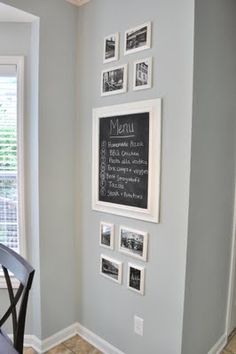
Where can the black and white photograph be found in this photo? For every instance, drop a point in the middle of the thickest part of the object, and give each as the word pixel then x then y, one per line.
pixel 114 80
pixel 133 243
pixel 111 48
pixel 135 279
pixel 111 268
pixel 142 74
pixel 107 235
pixel 138 38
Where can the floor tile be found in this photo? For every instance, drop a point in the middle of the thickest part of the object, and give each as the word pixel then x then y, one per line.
pixel 74 345
pixel 231 346
pixel 29 351
pixel 96 351
pixel 79 346
pixel 71 342
pixel 60 349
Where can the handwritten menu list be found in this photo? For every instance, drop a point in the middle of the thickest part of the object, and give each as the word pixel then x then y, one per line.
pixel 123 159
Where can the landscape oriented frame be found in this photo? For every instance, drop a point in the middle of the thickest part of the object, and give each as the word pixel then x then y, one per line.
pixel 133 48
pixel 122 85
pixel 132 244
pixel 111 262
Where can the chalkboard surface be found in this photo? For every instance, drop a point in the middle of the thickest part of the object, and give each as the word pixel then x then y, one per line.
pixel 123 159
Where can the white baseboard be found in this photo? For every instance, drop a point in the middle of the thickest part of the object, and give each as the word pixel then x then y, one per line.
pixel 219 346
pixel 97 341
pixel 41 346
pixel 58 338
pixel 33 342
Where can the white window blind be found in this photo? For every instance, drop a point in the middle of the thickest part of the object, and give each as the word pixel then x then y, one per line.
pixel 9 230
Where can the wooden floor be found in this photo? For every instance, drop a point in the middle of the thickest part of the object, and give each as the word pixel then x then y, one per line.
pixel 74 345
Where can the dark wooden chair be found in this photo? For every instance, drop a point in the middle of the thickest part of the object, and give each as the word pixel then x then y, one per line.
pixel 14 264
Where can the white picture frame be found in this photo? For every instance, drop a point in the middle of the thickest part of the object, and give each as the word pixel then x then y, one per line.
pixel 133 242
pixel 111 268
pixel 114 80
pixel 149 211
pixel 138 38
pixel 142 74
pixel 111 48
pixel 106 235
pixel 136 278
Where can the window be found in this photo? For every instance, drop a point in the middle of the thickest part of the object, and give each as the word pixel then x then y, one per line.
pixel 11 153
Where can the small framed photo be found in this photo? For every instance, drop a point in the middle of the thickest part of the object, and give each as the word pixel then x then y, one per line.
pixel 114 80
pixel 135 279
pixel 138 38
pixel 111 48
pixel 133 242
pixel 142 74
pixel 111 269
pixel 107 235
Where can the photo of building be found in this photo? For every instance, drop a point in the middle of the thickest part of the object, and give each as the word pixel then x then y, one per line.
pixel 141 74
pixel 136 38
pixel 110 47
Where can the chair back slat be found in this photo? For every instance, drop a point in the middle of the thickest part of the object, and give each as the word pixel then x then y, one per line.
pixel 15 264
pixel 13 300
pixel 24 273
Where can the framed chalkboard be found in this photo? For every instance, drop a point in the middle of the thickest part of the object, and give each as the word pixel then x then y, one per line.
pixel 126 159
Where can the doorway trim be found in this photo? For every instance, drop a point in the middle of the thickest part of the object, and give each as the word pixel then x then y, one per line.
pixel 232 271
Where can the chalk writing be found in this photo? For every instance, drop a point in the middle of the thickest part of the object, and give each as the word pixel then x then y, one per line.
pixel 124 159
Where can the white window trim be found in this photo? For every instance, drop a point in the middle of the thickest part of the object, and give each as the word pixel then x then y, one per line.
pixel 19 62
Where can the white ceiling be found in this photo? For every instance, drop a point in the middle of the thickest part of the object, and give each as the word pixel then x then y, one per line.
pixel 11 14
pixel 78 2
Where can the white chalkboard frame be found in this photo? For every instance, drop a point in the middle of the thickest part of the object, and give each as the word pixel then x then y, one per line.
pixel 151 213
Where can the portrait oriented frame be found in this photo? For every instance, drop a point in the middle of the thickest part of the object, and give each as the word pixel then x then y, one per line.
pixel 148 85
pixel 142 278
pixel 132 250
pixel 151 213
pixel 111 227
pixel 118 264
pixel 125 80
pixel 147 44
pixel 116 50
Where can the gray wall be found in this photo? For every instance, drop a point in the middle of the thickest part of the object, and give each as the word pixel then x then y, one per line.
pixel 104 307
pixel 54 133
pixel 15 39
pixel 70 286
pixel 212 175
